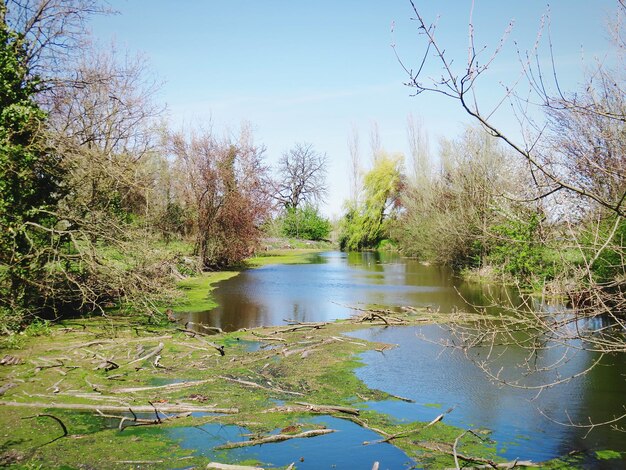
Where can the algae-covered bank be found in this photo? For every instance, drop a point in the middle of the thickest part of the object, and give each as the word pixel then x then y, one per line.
pixel 112 392
pixel 101 393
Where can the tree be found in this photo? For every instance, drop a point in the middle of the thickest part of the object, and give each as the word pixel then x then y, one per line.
pixel 105 128
pixel 366 224
pixel 29 183
pixel 301 177
pixel 53 32
pixel 575 160
pixel 224 188
pixel 447 217
pixel 305 222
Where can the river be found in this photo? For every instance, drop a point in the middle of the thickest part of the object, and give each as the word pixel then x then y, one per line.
pixel 419 367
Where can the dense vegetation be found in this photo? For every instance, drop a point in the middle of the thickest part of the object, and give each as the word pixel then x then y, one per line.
pixel 102 204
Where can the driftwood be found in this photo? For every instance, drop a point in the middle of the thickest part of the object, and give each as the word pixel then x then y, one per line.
pixel 141 421
pixel 306 350
pixel 154 352
pixel 164 408
pixel 225 466
pixel 214 329
pixel 297 326
pixel 256 385
pixel 412 431
pixel 6 387
pixel 300 407
pixel 173 386
pixel 487 463
pixel 275 438
pixel 268 338
pixel 9 360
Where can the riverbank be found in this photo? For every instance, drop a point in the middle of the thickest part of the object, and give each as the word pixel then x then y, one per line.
pixel 101 393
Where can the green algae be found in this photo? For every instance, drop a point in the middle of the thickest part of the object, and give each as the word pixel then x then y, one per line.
pixel 310 365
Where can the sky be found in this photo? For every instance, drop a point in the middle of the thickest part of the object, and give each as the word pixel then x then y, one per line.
pixel 313 71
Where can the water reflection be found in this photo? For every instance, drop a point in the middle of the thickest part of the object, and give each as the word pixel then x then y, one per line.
pixel 440 377
pixel 324 290
pixel 421 369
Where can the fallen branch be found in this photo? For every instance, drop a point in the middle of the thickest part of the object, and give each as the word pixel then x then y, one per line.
pixel 300 407
pixel 225 466
pixel 165 408
pixel 488 463
pixel 214 329
pixel 268 338
pixel 141 421
pixel 256 385
pixel 154 352
pixel 275 438
pixel 414 430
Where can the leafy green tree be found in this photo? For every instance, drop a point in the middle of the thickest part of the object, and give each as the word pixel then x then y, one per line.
pixel 29 179
pixel 305 223
pixel 367 224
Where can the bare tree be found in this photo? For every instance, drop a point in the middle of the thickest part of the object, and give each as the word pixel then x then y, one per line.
pixel 355 164
pixel 420 149
pixel 575 158
pixel 375 144
pixel 301 177
pixel 53 31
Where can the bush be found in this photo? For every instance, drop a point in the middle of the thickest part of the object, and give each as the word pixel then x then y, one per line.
pixel 305 223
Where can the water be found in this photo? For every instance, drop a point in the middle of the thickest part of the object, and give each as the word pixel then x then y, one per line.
pixel 435 377
pixel 324 290
pixel 341 449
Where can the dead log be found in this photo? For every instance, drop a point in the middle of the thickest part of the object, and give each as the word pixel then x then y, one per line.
pixel 275 438
pixel 487 463
pixel 173 386
pixel 164 408
pixel 141 421
pixel 256 385
pixel 6 387
pixel 225 466
pixel 301 407
pixel 154 352
pixel 9 360
pixel 214 329
pixel 329 408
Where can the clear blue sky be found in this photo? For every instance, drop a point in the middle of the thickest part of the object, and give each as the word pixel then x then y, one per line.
pixel 310 71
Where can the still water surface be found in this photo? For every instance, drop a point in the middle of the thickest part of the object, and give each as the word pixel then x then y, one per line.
pixel 436 378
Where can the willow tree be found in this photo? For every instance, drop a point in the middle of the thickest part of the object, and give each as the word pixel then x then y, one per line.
pixel 366 224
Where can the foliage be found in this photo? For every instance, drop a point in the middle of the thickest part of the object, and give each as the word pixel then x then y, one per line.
pixel 29 182
pixel 518 250
pixel 223 188
pixel 365 225
pixel 447 215
pixel 305 223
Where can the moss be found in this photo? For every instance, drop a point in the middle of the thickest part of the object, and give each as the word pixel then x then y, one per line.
pixel 198 291
pixel 608 454
pixel 284 256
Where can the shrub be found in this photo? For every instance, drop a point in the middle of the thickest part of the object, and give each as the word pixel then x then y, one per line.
pixel 305 223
